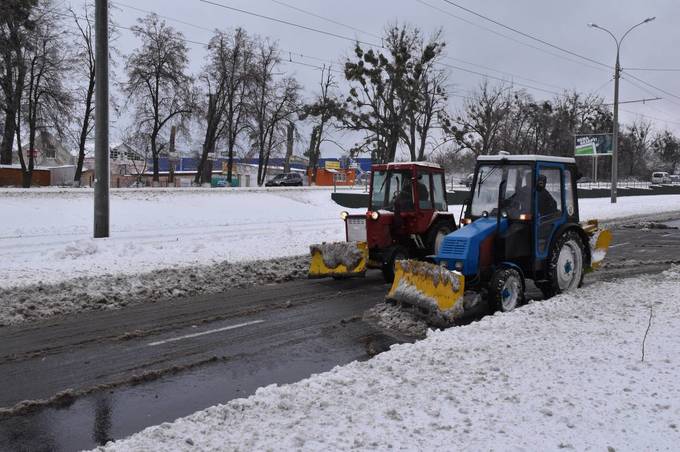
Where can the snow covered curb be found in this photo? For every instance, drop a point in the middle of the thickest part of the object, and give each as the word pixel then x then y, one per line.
pixel 41 301
pixel 559 374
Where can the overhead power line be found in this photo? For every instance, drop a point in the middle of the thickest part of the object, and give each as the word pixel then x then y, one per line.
pixel 510 38
pixel 526 35
pixel 653 86
pixel 525 85
pixel 327 19
pixel 652 69
pixel 292 24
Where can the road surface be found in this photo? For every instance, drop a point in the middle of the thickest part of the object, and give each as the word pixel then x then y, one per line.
pixel 77 382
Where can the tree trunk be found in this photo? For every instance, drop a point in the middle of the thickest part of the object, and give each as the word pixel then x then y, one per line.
pixel 7 138
pixel 290 138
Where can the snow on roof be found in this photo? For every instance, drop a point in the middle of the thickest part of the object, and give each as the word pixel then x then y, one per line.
pixel 525 158
pixel 428 164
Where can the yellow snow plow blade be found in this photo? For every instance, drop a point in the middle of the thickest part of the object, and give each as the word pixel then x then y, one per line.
pixel 338 259
pixel 433 289
pixel 600 239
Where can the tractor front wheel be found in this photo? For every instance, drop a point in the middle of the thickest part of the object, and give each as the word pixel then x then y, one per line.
pixel 565 265
pixel 392 255
pixel 506 290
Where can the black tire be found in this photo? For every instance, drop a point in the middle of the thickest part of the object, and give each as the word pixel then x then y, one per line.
pixel 566 265
pixel 392 255
pixel 506 290
pixel 437 232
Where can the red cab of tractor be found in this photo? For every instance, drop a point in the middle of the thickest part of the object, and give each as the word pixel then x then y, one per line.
pixel 407 214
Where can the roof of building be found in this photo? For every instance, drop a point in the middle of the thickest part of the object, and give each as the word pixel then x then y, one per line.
pixel 525 158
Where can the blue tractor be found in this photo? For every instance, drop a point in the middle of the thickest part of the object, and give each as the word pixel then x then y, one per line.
pixel 521 222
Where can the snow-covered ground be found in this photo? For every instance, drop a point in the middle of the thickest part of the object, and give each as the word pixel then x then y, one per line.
pixel 45 235
pixel 566 373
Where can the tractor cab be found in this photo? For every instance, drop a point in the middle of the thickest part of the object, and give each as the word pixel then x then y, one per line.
pixel 407 217
pixel 523 200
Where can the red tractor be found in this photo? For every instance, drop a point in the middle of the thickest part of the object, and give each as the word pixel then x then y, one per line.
pixel 407 217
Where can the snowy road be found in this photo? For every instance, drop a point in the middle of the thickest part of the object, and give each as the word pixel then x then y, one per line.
pixel 276 333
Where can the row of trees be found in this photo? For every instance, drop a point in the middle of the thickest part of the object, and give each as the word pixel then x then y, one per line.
pixel 392 99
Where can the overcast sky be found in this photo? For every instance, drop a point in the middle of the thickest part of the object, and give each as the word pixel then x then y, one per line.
pixel 472 42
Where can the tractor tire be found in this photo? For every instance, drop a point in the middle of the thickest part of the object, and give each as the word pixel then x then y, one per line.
pixel 392 255
pixel 506 290
pixel 436 234
pixel 565 265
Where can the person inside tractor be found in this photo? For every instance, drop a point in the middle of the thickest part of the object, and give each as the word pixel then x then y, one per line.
pixel 546 203
pixel 403 200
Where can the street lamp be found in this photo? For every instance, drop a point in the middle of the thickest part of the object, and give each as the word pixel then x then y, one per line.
pixel 617 74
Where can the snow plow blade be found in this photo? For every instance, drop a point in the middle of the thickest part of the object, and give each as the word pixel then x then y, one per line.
pixel 600 239
pixel 340 259
pixel 435 291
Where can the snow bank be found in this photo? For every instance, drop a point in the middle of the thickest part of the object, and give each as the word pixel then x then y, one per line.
pixel 559 374
pixel 46 234
pixel 41 301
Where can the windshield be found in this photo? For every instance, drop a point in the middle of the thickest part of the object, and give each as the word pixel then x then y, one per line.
pixel 516 195
pixel 392 189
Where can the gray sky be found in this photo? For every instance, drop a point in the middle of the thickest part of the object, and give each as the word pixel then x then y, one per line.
pixel 470 41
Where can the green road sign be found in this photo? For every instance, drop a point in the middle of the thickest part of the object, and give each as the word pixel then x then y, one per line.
pixel 586 149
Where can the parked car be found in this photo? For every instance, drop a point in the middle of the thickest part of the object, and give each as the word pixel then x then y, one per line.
pixel 661 177
pixel 468 180
pixel 675 178
pixel 285 180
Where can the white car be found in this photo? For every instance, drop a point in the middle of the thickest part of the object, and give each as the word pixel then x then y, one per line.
pixel 661 177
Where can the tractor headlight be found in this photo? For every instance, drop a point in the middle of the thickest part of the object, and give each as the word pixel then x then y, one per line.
pixel 459 266
pixel 504 214
pixel 375 215
pixel 344 215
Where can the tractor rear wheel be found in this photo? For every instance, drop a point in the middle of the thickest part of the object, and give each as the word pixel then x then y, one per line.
pixel 506 290
pixel 565 265
pixel 436 234
pixel 392 255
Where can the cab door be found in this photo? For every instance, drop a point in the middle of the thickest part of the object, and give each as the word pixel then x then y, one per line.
pixel 549 216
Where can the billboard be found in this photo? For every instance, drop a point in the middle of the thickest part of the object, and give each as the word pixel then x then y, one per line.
pixel 593 144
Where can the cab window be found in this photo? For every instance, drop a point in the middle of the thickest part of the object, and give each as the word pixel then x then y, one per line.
pixel 438 192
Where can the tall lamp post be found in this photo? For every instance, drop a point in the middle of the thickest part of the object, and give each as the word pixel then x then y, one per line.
pixel 617 75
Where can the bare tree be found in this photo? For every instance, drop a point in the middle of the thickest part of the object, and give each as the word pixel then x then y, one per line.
pixel 666 147
pixel 428 99
pixel 322 109
pixel 227 78
pixel 483 115
pixel 273 105
pixel 158 82
pixel 46 100
pixel 16 26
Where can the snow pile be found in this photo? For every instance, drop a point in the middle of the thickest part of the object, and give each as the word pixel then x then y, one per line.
pixel 398 319
pixel 41 301
pixel 559 374
pixel 338 253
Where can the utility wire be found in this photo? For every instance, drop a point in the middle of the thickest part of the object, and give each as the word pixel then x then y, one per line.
pixel 292 24
pixel 510 38
pixel 335 63
pixel 526 35
pixel 502 72
pixel 458 68
pixel 654 87
pixel 211 30
pixel 309 13
pixel 653 69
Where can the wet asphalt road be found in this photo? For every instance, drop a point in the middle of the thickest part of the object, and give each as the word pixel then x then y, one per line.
pixel 152 363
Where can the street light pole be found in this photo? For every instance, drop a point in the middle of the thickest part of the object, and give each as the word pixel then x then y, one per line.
pixel 617 76
pixel 101 120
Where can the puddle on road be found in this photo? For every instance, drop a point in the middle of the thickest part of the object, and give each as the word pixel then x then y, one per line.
pixel 113 414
